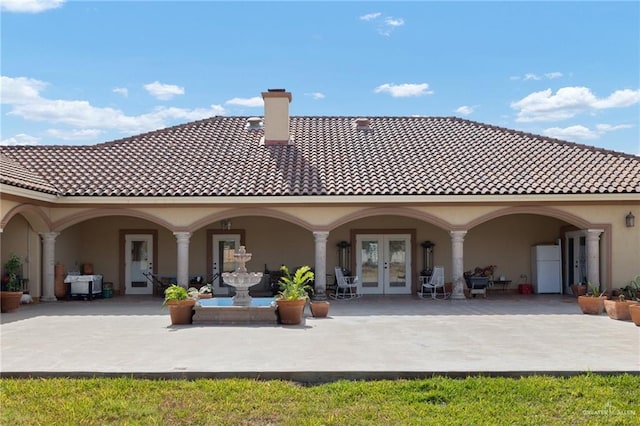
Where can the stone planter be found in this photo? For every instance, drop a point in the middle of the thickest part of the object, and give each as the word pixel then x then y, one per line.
pixel 591 305
pixel 319 308
pixel 291 311
pixel 634 312
pixel 181 311
pixel 619 309
pixel 10 301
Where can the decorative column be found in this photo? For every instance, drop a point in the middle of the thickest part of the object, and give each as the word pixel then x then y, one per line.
pixel 320 291
pixel 48 265
pixel 457 264
pixel 593 256
pixel 183 258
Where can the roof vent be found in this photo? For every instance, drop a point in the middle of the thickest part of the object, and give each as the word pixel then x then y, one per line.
pixel 254 123
pixel 363 124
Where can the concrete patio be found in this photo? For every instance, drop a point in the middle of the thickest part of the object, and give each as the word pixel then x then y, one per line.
pixel 371 337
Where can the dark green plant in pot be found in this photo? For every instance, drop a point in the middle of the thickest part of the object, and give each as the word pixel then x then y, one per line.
pixel 296 286
pixel 12 268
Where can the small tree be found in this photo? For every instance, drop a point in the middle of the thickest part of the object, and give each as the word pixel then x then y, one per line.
pixel 12 269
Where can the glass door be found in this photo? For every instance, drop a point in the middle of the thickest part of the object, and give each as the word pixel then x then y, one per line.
pixel 383 263
pixel 224 246
pixel 575 264
pixel 138 261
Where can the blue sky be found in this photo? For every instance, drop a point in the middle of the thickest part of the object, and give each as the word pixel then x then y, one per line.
pixel 84 72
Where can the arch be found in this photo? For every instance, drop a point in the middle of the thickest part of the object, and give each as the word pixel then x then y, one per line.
pixel 394 211
pixel 538 210
pixel 102 212
pixel 34 215
pixel 251 211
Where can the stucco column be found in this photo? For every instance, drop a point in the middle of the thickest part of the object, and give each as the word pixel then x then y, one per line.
pixel 48 268
pixel 593 256
pixel 320 291
pixel 182 239
pixel 457 263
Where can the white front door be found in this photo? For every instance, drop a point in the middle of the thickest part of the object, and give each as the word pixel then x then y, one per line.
pixel 138 258
pixel 224 246
pixel 383 263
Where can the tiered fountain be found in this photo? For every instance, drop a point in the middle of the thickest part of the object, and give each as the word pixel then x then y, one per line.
pixel 241 308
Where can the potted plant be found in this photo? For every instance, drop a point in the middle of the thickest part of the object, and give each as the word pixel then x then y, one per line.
pixel 578 289
pixel 206 291
pixel 634 310
pixel 180 304
pixel 592 303
pixel 11 288
pixel 293 294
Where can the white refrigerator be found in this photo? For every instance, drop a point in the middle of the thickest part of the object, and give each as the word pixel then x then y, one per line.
pixel 546 268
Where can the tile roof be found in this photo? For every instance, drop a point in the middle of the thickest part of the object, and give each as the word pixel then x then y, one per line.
pixel 13 173
pixel 219 156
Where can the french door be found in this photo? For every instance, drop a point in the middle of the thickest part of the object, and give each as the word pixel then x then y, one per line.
pixel 224 246
pixel 383 263
pixel 138 260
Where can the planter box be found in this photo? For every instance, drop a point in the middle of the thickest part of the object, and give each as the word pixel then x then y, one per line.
pixel 591 305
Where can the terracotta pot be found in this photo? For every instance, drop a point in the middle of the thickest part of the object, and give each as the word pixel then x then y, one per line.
pixel 9 301
pixel 291 311
pixel 634 311
pixel 619 309
pixel 205 296
pixel 181 311
pixel 591 305
pixel 319 309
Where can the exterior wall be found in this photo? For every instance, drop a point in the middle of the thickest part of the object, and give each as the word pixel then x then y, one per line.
pixel 506 242
pixel 18 237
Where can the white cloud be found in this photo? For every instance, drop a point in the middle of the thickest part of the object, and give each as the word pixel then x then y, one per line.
pixel 552 75
pixel 370 16
pixel 19 90
pixel 404 90
pixel 531 76
pixel 569 102
pixel 535 77
pixel 465 110
pixel 571 132
pixel 122 91
pixel 254 102
pixel 315 95
pixel 74 134
pixel 30 6
pixel 391 22
pixel 20 139
pixel 579 132
pixel 162 91
pixel 385 25
pixel 23 94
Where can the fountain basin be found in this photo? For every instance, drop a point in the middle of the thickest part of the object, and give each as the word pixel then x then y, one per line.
pixel 221 310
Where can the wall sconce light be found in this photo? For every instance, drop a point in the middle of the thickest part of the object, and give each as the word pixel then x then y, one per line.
pixel 630 220
pixel 225 224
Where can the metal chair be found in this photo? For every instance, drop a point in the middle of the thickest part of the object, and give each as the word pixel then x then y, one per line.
pixel 347 286
pixel 432 284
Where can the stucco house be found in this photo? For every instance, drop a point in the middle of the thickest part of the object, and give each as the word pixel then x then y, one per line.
pixel 365 193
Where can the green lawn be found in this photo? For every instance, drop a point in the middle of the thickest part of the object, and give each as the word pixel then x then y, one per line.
pixel 585 399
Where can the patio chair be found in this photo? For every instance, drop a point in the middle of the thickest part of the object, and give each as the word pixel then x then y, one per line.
pixel 434 285
pixel 347 286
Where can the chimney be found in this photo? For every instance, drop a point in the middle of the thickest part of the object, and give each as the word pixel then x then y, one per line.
pixel 276 117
